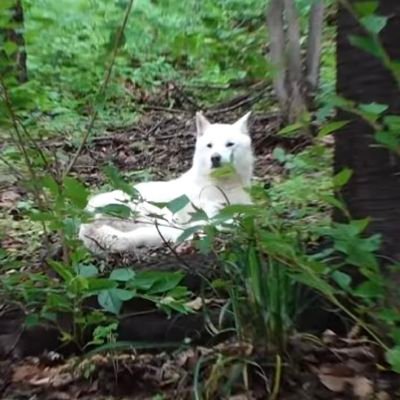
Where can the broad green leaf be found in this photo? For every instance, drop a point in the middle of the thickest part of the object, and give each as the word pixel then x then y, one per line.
pixel 331 127
pixel 6 4
pixel 75 191
pixel 369 290
pixel 360 224
pixel 122 274
pixel 341 178
pixel 393 358
pixel 342 279
pixel 10 48
pixel 58 302
pixel 333 201
pixel 188 232
pixel 155 281
pixel 110 301
pixel 49 183
pixel 225 171
pixel 87 271
pixel 166 283
pixel 369 45
pixel 279 154
pixel 97 284
pixel 374 23
pixel 373 108
pixel 392 122
pixel 178 204
pixel 364 8
pixel 391 140
pixel 291 128
pixel 32 319
pixel 124 294
pixel 118 181
pixel 62 270
pixel 116 210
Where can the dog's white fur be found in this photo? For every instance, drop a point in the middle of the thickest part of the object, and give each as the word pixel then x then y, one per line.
pixel 231 142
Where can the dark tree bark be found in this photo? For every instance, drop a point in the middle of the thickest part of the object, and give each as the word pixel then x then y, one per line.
pixel 374 189
pixel 17 60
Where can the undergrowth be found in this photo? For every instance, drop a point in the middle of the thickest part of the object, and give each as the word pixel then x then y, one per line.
pixel 275 248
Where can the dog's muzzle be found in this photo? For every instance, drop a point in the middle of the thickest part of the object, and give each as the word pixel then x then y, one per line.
pixel 216 160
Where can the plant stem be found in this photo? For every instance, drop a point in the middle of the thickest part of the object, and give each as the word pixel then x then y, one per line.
pixel 102 89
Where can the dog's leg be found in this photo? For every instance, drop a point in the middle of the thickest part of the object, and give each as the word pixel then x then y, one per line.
pixel 106 238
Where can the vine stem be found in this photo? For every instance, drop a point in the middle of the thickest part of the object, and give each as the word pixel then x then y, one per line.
pixel 102 88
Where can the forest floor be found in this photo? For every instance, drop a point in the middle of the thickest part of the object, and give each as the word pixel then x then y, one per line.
pixel 324 367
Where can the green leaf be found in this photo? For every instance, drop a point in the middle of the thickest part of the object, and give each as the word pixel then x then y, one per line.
pixel 48 182
pixel 155 281
pixel 333 201
pixel 342 177
pixel 76 192
pixel 331 127
pixel 369 290
pixel 369 45
pixel 360 224
pixel 118 181
pixel 373 108
pixel 178 204
pixel 291 128
pixel 342 279
pixel 374 23
pixel 225 171
pixel 188 232
pixel 166 282
pixel 87 271
pixel 391 140
pixel 122 274
pixel 392 122
pixel 365 8
pixel 10 48
pixel 32 319
pixel 94 285
pixel 116 210
pixel 393 358
pixel 124 294
pixel 110 301
pixel 6 4
pixel 62 270
pixel 279 154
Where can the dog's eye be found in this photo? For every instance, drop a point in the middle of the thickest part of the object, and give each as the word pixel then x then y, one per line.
pixel 230 144
pixel 209 145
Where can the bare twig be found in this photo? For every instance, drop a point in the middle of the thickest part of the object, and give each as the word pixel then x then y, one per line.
pixel 102 88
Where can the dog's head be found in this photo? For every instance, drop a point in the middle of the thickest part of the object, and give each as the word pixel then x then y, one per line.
pixel 221 144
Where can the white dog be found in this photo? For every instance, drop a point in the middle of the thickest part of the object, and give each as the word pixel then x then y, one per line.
pixel 217 145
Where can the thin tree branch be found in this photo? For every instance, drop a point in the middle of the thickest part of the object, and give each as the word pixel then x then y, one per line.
pixel 102 88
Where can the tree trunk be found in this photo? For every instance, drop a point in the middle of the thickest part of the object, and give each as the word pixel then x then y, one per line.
pixel 15 62
pixel 277 46
pixel 374 189
pixel 286 58
pixel 314 47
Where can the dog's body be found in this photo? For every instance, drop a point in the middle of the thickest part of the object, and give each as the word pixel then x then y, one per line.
pixel 216 146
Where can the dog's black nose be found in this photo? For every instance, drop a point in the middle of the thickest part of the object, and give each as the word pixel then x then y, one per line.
pixel 216 160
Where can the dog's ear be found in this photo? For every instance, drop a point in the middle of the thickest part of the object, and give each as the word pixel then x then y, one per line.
pixel 242 124
pixel 202 123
